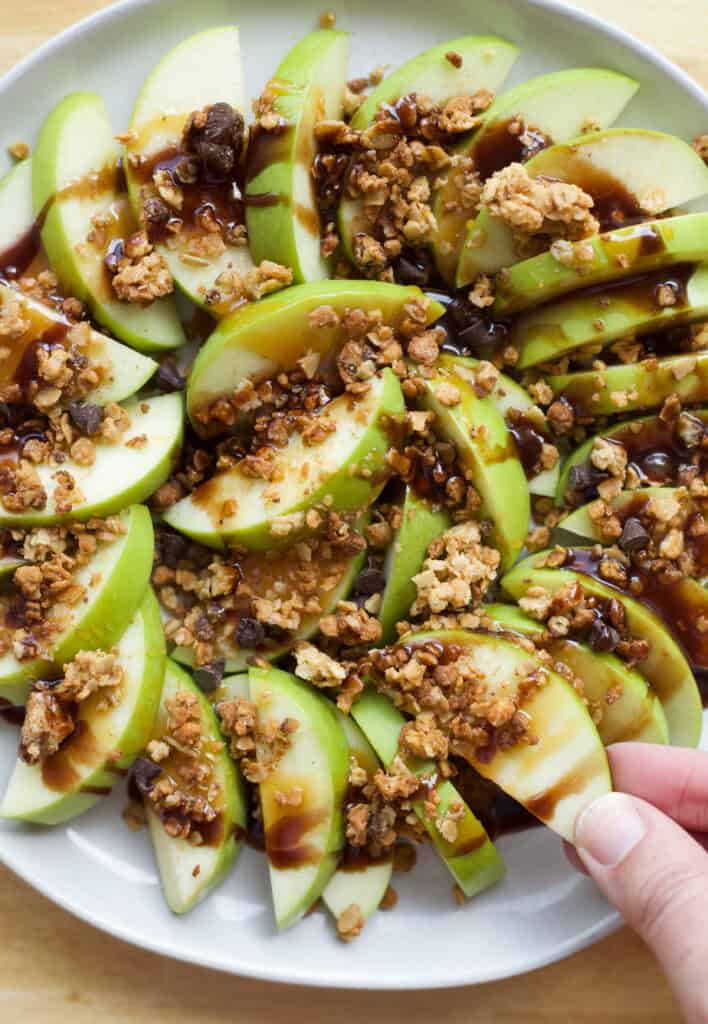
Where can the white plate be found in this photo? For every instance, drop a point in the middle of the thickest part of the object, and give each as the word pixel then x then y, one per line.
pixel 95 867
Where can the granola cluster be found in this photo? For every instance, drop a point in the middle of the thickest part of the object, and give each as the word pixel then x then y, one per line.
pixel 256 742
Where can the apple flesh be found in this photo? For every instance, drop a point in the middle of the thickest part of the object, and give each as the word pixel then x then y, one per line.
pixel 484 445
pixel 16 210
pixel 630 710
pixel 189 873
pixel 346 471
pixel 558 105
pixel 471 858
pixel 263 338
pixel 74 181
pixel 558 776
pixel 71 781
pixel 202 70
pixel 116 579
pixel 615 254
pixel 665 668
pixel 630 161
pixel 308 87
pixel 121 475
pixel 302 843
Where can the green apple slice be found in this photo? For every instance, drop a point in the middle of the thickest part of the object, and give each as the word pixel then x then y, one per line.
pixel 559 106
pixel 202 70
pixel 123 473
pixel 8 566
pixel 303 842
pixel 115 579
pixel 471 858
pixel 640 437
pixel 84 768
pixel 665 667
pixel 566 769
pixel 308 86
pixel 189 873
pixel 74 180
pixel 484 445
pixel 632 387
pixel 123 370
pixel 345 471
pixel 626 503
pixel 16 210
pixel 421 523
pixel 636 249
pixel 360 882
pixel 603 315
pixel 271 335
pixel 627 166
pixel 630 710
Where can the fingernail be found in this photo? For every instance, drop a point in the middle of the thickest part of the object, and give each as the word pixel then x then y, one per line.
pixel 609 829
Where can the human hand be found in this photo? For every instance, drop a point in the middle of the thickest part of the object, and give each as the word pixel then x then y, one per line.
pixel 645 846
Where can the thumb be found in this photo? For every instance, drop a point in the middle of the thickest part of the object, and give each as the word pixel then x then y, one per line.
pixel 657 877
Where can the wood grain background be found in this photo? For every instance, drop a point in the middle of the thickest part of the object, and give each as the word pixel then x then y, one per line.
pixel 54 968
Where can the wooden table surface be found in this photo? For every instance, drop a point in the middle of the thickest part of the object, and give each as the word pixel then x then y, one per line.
pixel 55 968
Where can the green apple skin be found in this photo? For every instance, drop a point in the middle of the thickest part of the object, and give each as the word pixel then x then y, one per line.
pixel 644 163
pixel 421 523
pixel 580 525
pixel 472 858
pixel 645 385
pixel 362 439
pixel 76 141
pixel 317 761
pixel 116 579
pixel 309 86
pixel 365 886
pixel 615 254
pixel 264 337
pixel 125 728
pixel 238 659
pixel 126 370
pixel 202 70
pixel 120 476
pixel 637 715
pixel 561 774
pixel 484 445
pixel 184 886
pixel 8 566
pixel 16 210
pixel 559 104
pixel 646 426
pixel 665 668
pixel 598 319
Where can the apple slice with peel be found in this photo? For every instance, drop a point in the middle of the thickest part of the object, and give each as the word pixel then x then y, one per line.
pixel 202 70
pixel 302 841
pixel 115 579
pixel 189 872
pixel 281 203
pixel 554 107
pixel 123 371
pixel 75 182
pixel 8 565
pixel 123 473
pixel 636 249
pixel 484 445
pixel 616 310
pixel 106 740
pixel 633 387
pixel 346 471
pixel 471 858
pixel 265 337
pixel 358 881
pixel 623 169
pixel 629 708
pixel 16 210
pixel 566 769
pixel 665 668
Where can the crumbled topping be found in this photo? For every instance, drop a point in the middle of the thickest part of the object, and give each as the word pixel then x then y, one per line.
pixel 456 573
pixel 533 206
pixel 142 274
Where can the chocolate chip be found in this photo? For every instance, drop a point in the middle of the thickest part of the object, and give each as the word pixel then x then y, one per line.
pixel 86 417
pixel 115 253
pixel 208 677
pixel 634 536
pixel 143 775
pixel 369 581
pixel 583 477
pixel 171 548
pixel 216 137
pixel 168 378
pixel 603 638
pixel 412 270
pixel 658 466
pixel 249 633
